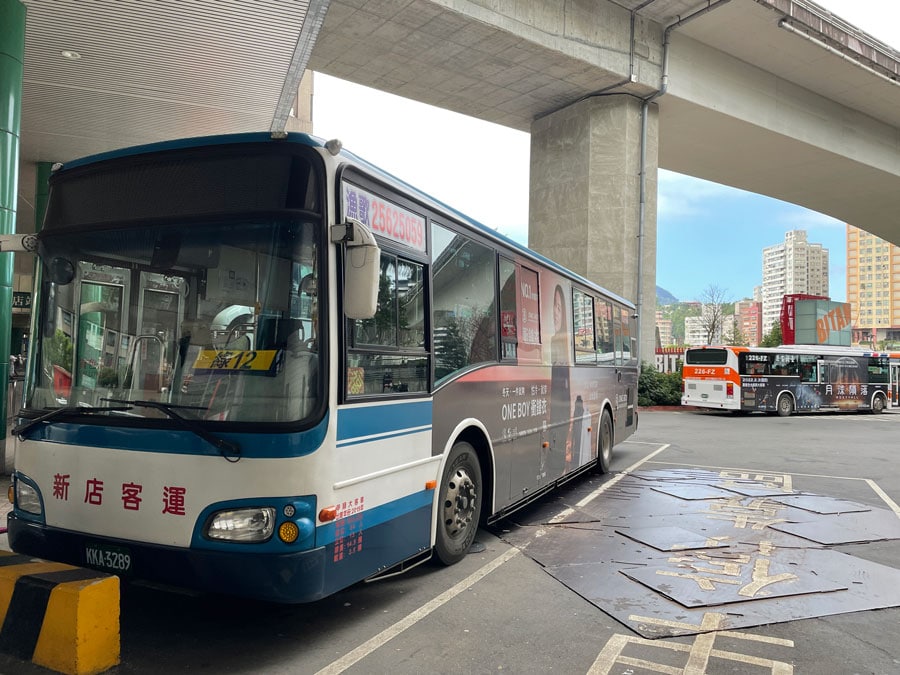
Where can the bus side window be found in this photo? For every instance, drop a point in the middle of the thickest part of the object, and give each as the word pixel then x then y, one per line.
pixel 808 370
pixel 583 333
pixel 604 331
pixel 786 364
pixel 387 354
pixel 508 311
pixel 757 368
pixel 465 303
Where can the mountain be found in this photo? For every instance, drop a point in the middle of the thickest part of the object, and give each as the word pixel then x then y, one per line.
pixel 663 297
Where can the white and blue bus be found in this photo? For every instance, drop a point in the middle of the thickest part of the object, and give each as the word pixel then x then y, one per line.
pixel 264 367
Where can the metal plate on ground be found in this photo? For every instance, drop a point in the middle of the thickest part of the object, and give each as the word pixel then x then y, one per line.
pixel 708 579
pixel 846 528
pixel 678 476
pixel 746 490
pixel 671 538
pixel 760 570
pixel 692 492
pixel 652 615
pixel 822 505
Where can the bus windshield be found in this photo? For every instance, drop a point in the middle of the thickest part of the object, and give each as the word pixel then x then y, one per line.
pixel 216 321
pixel 706 356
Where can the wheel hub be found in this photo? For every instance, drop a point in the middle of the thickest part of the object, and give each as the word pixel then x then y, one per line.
pixel 459 502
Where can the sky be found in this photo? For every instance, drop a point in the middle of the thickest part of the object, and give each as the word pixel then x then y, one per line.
pixel 448 156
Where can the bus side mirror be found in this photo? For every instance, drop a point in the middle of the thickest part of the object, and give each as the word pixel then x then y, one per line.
pixel 362 266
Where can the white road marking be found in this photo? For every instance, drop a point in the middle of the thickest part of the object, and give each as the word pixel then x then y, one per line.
pixel 892 505
pixel 565 513
pixel 369 646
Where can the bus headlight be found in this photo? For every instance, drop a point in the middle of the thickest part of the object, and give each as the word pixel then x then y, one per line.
pixel 27 498
pixel 249 525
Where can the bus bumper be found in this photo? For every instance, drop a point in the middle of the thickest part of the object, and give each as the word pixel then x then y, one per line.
pixel 285 578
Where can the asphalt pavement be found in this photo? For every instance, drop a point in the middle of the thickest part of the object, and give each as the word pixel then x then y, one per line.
pixel 700 552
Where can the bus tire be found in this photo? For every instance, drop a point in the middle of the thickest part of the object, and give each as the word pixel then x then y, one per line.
pixel 878 404
pixel 460 504
pixel 785 405
pixel 605 442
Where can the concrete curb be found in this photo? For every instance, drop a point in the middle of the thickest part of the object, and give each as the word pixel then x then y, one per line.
pixel 58 616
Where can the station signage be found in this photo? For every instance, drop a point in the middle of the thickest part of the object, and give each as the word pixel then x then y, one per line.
pixel 21 300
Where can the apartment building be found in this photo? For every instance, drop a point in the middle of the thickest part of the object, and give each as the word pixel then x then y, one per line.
pixel 793 266
pixel 663 331
pixel 749 320
pixel 873 264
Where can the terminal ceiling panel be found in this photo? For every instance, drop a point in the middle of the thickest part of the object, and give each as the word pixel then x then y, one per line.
pixel 140 71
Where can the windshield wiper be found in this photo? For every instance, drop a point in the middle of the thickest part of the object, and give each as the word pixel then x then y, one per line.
pixel 25 427
pixel 230 451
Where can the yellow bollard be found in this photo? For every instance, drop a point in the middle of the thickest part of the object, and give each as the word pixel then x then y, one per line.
pixel 58 616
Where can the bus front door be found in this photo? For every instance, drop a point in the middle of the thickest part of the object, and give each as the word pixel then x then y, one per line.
pixel 895 384
pixel 626 394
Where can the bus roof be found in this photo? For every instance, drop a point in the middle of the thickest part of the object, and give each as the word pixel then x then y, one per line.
pixel 313 141
pixel 829 350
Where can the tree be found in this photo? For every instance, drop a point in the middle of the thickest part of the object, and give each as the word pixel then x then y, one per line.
pixel 713 298
pixel 773 337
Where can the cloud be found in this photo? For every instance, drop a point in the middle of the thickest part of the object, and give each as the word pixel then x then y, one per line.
pixel 479 169
pixel 682 196
pixel 798 218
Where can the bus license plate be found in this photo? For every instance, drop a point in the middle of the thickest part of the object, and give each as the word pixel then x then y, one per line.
pixel 109 558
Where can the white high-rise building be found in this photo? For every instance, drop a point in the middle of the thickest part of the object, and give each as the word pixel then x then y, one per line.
pixel 795 266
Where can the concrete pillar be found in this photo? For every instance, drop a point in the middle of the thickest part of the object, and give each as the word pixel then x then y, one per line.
pixel 585 196
pixel 12 50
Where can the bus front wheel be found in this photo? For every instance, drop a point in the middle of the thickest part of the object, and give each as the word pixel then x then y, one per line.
pixel 785 405
pixel 878 405
pixel 460 505
pixel 604 454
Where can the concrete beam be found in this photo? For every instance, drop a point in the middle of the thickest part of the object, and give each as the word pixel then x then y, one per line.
pixel 505 61
pixel 729 122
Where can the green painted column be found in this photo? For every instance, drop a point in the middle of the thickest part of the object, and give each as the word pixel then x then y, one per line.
pixel 12 51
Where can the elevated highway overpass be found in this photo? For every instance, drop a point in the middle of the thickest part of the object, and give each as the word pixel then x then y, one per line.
pixel 778 97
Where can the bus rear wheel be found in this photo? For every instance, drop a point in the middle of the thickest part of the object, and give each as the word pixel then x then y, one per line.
pixel 785 405
pixel 878 405
pixel 460 506
pixel 604 451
